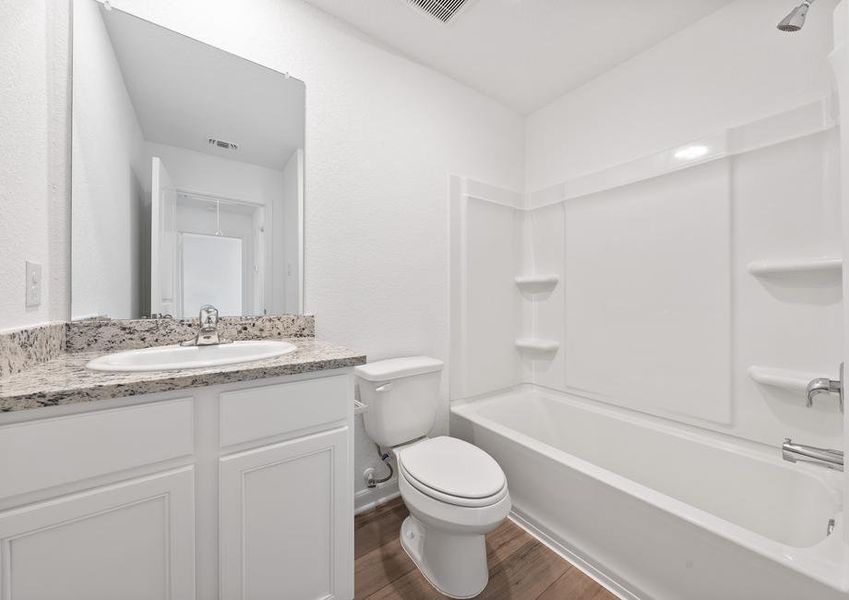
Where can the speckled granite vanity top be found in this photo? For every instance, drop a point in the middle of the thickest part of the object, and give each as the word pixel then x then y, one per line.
pixel 62 378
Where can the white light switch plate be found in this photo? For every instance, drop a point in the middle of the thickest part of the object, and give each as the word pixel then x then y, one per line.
pixel 33 284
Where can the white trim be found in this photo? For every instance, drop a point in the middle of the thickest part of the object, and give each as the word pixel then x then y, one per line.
pixel 301 241
pixel 607 580
pixel 801 121
pixel 477 190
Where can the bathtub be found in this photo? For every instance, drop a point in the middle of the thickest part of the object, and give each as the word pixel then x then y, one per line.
pixel 655 510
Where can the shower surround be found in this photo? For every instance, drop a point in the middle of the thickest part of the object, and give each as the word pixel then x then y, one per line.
pixel 631 338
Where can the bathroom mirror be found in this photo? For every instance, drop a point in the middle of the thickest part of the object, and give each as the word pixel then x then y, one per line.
pixel 187 175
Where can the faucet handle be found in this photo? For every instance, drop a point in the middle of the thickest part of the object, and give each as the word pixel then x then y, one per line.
pixel 822 385
pixel 208 316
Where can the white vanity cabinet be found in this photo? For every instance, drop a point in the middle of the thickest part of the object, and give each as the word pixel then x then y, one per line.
pixel 240 491
pixel 132 540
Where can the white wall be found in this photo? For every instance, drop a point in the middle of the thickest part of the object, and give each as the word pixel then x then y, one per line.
pixel 34 163
pixel 108 184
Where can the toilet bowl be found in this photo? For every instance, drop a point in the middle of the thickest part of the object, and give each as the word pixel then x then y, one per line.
pixel 445 532
pixel 456 493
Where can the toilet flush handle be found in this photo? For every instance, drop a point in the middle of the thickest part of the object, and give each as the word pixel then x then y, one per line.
pixel 384 388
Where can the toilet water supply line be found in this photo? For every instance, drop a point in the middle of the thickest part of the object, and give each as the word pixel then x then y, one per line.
pixel 384 456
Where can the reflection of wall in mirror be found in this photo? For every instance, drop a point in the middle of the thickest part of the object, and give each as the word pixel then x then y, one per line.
pixel 286 252
pixel 110 180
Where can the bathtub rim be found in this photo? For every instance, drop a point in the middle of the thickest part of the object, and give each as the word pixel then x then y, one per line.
pixel 825 561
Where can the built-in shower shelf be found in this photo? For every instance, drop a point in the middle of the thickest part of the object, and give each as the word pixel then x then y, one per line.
pixel 795 381
pixel 825 265
pixel 536 283
pixel 537 345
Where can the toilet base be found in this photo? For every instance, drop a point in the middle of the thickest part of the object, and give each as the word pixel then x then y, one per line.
pixel 454 564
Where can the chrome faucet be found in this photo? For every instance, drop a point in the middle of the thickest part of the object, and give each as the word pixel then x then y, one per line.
pixel 207 335
pixel 824 385
pixel 825 457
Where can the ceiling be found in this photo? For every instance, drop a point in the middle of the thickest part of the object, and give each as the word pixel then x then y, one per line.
pixel 185 92
pixel 524 53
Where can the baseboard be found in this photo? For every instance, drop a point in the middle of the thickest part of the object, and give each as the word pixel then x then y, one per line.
pixel 369 498
pixel 606 580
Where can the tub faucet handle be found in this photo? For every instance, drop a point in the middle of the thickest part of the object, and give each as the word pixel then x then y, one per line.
pixel 824 385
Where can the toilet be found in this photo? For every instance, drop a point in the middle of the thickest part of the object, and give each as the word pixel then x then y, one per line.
pixel 456 493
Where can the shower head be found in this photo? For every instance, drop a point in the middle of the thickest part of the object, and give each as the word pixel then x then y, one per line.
pixel 796 19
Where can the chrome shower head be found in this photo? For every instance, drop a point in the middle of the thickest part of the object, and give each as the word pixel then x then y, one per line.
pixel 796 19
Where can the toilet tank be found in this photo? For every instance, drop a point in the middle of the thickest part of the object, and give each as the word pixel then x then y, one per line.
pixel 401 396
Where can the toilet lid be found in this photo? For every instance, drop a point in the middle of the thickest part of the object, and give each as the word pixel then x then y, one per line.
pixel 453 467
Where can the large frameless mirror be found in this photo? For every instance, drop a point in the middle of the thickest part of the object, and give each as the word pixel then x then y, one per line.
pixel 188 175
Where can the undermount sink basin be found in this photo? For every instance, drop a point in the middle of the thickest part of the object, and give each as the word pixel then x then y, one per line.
pixel 169 358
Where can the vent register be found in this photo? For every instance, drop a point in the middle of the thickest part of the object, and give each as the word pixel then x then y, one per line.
pixel 224 145
pixel 442 10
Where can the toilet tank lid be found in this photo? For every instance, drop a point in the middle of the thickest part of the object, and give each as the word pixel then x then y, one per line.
pixel 395 368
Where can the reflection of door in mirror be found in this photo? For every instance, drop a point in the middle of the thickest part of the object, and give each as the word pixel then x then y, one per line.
pixel 211 273
pixel 218 225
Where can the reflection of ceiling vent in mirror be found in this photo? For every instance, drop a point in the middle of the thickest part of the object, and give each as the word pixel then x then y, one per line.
pixel 443 10
pixel 223 145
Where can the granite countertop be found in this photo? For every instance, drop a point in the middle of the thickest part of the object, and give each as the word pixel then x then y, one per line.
pixel 65 380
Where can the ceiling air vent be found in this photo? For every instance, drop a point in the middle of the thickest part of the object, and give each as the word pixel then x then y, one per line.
pixel 223 145
pixel 442 10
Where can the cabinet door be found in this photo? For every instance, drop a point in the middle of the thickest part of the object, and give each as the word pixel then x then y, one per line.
pixel 287 521
pixel 132 540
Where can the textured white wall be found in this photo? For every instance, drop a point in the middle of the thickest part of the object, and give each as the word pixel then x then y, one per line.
pixel 34 163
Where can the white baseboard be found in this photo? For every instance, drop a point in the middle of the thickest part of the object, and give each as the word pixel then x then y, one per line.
pixel 606 580
pixel 370 498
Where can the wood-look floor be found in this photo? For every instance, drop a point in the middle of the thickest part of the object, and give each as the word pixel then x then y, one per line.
pixel 520 567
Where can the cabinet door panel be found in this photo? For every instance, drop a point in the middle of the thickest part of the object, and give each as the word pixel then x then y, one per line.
pixel 133 540
pixel 287 521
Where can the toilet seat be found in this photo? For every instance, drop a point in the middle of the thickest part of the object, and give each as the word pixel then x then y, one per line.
pixel 452 471
pixel 453 500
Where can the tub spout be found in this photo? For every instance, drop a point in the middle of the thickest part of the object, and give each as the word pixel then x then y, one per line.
pixel 825 457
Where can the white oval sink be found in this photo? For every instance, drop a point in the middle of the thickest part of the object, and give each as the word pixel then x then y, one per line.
pixel 169 358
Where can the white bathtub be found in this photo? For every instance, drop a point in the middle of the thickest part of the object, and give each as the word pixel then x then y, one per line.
pixel 660 511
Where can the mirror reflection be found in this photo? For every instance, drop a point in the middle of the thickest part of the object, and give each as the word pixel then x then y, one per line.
pixel 188 175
